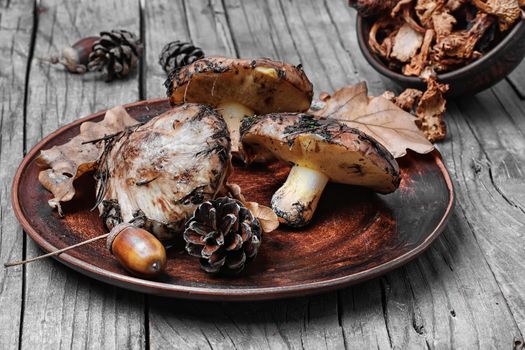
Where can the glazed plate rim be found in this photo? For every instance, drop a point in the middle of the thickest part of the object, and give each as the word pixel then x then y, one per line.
pixel 213 293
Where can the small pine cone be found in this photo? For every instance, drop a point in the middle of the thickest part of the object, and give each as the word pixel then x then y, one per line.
pixel 116 53
pixel 224 235
pixel 177 54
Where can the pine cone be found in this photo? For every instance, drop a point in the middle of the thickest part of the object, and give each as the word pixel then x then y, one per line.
pixel 178 54
pixel 116 53
pixel 223 234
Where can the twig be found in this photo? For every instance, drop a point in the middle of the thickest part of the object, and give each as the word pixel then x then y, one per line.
pixel 56 252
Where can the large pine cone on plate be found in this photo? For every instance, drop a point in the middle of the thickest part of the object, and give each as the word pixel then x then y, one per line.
pixel 224 235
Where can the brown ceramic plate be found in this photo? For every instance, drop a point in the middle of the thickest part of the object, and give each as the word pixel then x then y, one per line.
pixel 356 234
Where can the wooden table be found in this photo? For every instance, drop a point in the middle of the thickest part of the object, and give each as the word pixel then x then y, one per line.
pixel 466 292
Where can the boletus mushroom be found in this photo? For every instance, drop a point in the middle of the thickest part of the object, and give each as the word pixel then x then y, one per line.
pixel 241 87
pixel 320 150
pixel 161 171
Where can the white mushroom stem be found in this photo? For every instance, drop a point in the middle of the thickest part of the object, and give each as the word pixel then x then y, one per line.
pixel 295 202
pixel 233 113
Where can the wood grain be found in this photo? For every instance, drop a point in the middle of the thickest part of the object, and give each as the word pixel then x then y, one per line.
pixel 62 308
pixel 517 79
pixel 16 24
pixel 161 25
pixel 466 292
pixel 281 325
pixel 450 295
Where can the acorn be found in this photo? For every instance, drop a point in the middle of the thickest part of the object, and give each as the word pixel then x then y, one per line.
pixel 76 57
pixel 137 250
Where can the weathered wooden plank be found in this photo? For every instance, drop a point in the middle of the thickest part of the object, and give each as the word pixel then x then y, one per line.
pixel 64 309
pixel 310 323
pixel 448 297
pixel 162 24
pixel 260 30
pixel 16 24
pixel 203 23
pixel 208 27
pixel 302 323
pixel 458 294
pixel 495 119
pixel 517 79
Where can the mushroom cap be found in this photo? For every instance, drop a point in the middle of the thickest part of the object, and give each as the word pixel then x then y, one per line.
pixel 346 155
pixel 161 171
pixel 262 85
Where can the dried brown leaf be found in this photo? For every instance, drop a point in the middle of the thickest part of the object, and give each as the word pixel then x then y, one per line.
pixel 265 215
pixel 376 117
pixel 64 163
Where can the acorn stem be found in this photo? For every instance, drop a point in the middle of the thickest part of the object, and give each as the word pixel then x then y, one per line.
pixel 56 252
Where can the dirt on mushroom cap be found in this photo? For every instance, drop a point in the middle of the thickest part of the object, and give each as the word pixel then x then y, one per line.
pixel 263 85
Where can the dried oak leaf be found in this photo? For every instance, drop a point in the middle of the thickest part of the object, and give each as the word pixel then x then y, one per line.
pixel 377 117
pixel 266 216
pixel 64 163
pixel 507 11
pixel 430 110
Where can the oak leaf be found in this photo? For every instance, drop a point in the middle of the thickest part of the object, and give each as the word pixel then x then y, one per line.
pixel 377 117
pixel 266 216
pixel 65 163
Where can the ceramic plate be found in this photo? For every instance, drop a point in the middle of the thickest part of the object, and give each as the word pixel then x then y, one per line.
pixel 355 235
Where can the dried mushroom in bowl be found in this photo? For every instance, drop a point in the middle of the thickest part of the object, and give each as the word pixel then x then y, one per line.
pixel 411 36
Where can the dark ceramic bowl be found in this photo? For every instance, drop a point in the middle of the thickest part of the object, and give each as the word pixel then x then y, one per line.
pixel 468 80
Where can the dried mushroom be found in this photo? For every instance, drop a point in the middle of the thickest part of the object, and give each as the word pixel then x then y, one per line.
pixel 407 42
pixel 507 11
pixel 443 35
pixel 428 107
pixel 321 150
pixel 240 87
pixel 158 174
pixel 430 110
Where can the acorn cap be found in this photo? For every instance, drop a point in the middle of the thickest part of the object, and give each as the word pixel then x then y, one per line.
pixel 345 155
pixel 262 85
pixel 115 232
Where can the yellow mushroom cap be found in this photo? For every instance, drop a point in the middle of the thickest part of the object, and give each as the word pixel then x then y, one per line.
pixel 345 155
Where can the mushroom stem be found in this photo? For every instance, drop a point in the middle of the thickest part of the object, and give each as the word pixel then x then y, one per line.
pixel 233 113
pixel 295 202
